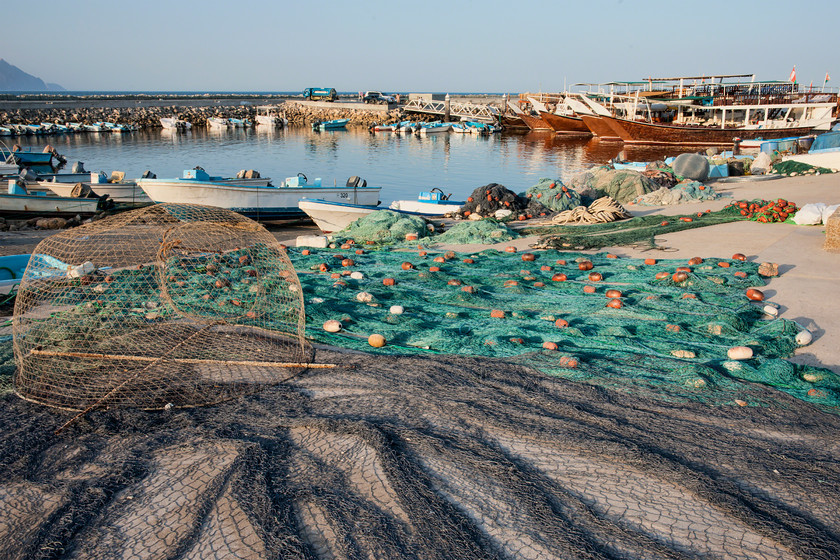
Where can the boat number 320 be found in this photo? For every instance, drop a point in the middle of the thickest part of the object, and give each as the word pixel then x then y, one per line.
pixel 343 195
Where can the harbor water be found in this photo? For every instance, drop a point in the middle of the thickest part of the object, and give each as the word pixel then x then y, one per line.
pixel 402 165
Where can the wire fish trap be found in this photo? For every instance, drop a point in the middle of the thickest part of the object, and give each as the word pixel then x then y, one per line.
pixel 173 304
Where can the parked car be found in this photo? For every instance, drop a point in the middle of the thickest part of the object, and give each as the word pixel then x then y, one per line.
pixel 323 94
pixel 378 97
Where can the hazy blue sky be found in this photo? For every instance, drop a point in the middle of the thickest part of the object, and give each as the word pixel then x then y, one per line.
pixel 414 45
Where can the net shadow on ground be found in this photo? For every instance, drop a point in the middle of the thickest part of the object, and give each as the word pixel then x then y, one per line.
pixel 425 457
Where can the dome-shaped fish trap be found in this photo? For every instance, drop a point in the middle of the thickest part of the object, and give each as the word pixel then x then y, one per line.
pixel 175 304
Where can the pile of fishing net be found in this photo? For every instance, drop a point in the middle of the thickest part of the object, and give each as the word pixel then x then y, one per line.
pixel 619 184
pixel 638 231
pixel 662 176
pixel 601 211
pixel 793 168
pixel 685 192
pixel 554 195
pixel 385 227
pixel 472 231
pixel 169 305
pixel 486 201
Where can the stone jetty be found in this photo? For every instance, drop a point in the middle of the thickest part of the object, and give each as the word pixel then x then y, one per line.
pixel 148 117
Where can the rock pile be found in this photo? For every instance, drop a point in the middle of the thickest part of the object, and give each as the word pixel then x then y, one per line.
pixel 149 117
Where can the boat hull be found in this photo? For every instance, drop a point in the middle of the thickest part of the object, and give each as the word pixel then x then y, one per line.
pixel 330 217
pixel 27 158
pixel 128 193
pixel 260 203
pixel 600 128
pixel 535 123
pixel 563 124
pixel 426 208
pixel 634 132
pixel 37 206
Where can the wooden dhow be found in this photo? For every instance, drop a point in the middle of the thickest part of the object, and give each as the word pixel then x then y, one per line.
pixel 566 124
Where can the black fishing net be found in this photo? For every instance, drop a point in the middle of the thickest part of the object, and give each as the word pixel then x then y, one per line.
pixel 425 457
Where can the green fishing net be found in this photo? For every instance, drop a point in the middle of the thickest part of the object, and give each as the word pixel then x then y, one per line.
pixel 638 231
pixel 792 168
pixel 666 336
pixel 682 193
pixel 385 227
pixel 554 195
pixel 479 231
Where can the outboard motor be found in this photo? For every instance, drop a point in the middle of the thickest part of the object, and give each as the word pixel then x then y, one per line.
pixel 27 175
pixel 78 167
pixel 356 182
pixel 148 175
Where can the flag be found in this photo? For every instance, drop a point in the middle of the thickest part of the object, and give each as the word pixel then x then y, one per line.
pixel 793 74
pixel 827 77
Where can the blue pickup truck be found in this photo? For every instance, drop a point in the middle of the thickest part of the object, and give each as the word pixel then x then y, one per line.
pixel 321 94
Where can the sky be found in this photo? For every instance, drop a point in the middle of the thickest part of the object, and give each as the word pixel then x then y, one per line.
pixel 413 45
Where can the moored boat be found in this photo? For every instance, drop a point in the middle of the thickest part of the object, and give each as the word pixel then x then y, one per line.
pixel 261 202
pixel 335 124
pixel 636 132
pixel 174 123
pixel 535 123
pixel 431 203
pixel 17 202
pixel 218 122
pixel 27 156
pixel 566 124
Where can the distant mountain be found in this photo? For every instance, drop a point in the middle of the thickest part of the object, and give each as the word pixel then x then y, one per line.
pixel 13 78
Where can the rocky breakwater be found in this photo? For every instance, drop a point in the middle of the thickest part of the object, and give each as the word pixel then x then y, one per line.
pixel 149 117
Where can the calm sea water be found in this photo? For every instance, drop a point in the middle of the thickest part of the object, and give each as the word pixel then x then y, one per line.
pixel 401 165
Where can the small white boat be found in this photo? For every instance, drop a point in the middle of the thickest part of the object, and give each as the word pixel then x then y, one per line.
pixel 431 203
pixel 824 151
pixel 17 202
pixel 174 123
pixel 261 202
pixel 267 116
pixel 434 128
pixel 218 122
pixel 332 216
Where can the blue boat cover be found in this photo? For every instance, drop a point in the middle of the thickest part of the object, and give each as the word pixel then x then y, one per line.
pixel 827 141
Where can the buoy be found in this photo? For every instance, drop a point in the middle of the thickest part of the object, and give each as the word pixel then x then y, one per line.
pixel 528 257
pixel 595 277
pixel 356 275
pixel 739 257
pixel 510 249
pixel 388 281
pixel 771 311
pixel 497 313
pixel 561 323
pixel 803 338
pixel 650 261
pixel 612 294
pixel 396 310
pixel 739 353
pixel 550 345
pixel 661 275
pixel 332 325
pixel 376 340
pixel 364 297
pixel 678 277
pixel 755 295
pixel 559 278
pixel 615 303
pixel 585 265
pixel 589 289
pixel 407 265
